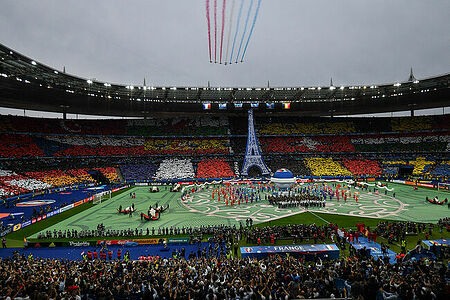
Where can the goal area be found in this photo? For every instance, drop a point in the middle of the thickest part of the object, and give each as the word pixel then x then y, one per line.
pixel 98 198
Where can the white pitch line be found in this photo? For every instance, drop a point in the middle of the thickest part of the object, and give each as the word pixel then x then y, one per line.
pixel 320 218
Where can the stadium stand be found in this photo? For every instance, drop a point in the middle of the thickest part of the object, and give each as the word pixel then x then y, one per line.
pixel 110 173
pixel 12 184
pixel 214 168
pixel 421 165
pixel 175 168
pixel 186 146
pixel 186 126
pixel 361 167
pixel 306 144
pixel 281 127
pixel 54 178
pixel 138 171
pixel 442 170
pixel 326 167
pixel 73 149
pixel 295 164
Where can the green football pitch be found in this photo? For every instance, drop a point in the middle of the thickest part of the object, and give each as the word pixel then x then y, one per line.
pixel 200 209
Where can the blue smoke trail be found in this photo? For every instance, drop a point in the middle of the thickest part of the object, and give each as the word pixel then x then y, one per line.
pixel 251 30
pixel 245 29
pixel 237 29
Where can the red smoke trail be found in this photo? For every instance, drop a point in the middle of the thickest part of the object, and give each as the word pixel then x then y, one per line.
pixel 209 29
pixel 223 26
pixel 215 30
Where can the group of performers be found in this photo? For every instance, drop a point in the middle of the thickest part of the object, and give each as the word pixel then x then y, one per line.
pixel 129 210
pixel 435 200
pixel 237 195
pixel 153 212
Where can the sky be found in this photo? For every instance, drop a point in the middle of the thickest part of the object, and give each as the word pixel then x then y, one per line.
pixel 295 42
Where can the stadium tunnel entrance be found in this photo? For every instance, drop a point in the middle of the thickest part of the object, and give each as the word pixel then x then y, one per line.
pixel 254 171
pixel 98 177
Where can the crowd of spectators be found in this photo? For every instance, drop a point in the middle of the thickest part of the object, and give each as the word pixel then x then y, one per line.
pixel 110 173
pixel 214 168
pixel 274 277
pixel 420 123
pixel 421 165
pixel 211 125
pixel 404 142
pixel 295 164
pixel 281 127
pixel 161 126
pixel 12 184
pixel 442 169
pixel 306 144
pixel 18 145
pixel 143 171
pixel 193 146
pixel 181 126
pixel 326 167
pixel 361 167
pixel 175 168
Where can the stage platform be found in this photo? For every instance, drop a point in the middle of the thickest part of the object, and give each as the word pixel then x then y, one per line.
pixel 374 249
pixel 74 253
pixel 438 243
pixel 309 252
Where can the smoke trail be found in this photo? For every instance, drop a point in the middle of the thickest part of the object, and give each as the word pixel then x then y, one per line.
pixel 215 31
pixel 223 26
pixel 245 29
pixel 209 29
pixel 229 30
pixel 251 30
pixel 237 29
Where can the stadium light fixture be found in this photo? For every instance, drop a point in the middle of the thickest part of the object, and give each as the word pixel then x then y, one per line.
pixel 107 84
pixel 89 81
pixel 416 81
pixel 332 88
pixel 397 84
pixel 342 87
pixel 33 63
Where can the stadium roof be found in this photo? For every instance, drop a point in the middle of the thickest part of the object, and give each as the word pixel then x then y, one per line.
pixel 28 84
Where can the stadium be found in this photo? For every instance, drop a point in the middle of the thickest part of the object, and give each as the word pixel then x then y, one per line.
pixel 220 191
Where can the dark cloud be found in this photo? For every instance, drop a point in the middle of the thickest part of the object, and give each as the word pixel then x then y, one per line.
pixel 296 42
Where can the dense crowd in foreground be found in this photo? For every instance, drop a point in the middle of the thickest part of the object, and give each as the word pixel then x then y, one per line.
pixel 219 278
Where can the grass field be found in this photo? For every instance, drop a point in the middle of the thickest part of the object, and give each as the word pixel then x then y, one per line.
pixel 200 209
